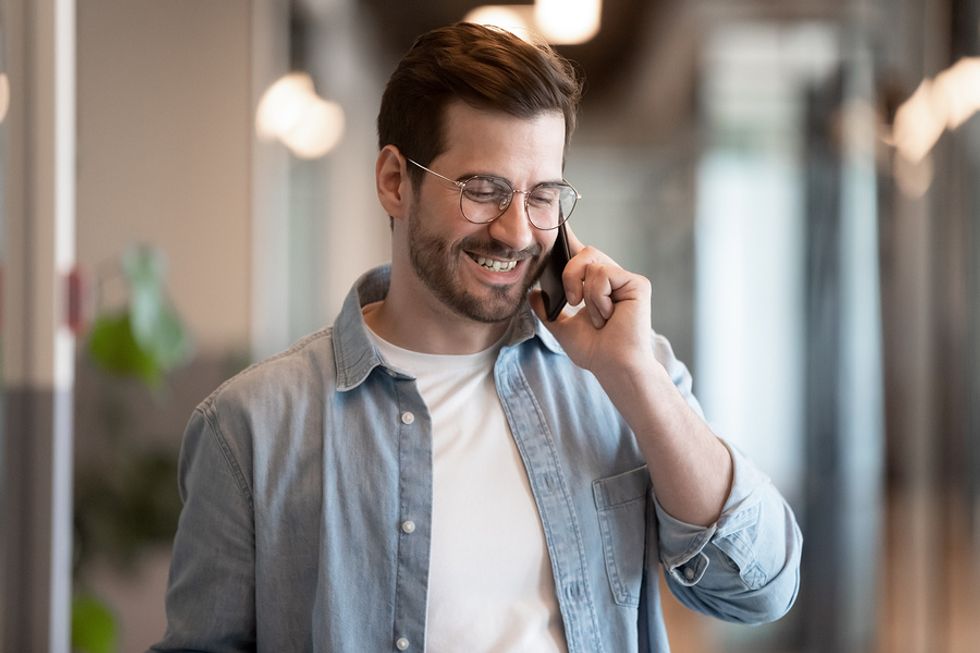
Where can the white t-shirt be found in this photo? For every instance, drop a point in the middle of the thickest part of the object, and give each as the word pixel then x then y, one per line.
pixel 490 582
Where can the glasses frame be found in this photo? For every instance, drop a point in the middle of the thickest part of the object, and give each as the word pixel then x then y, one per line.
pixel 461 185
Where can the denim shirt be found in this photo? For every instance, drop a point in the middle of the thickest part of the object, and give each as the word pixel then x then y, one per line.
pixel 307 489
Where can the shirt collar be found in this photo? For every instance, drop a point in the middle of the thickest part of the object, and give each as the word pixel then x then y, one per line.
pixel 355 355
pixel 526 326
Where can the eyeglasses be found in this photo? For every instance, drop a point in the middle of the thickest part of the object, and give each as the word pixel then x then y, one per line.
pixel 483 199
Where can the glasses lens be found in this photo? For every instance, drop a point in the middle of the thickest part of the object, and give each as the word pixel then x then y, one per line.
pixel 550 205
pixel 483 199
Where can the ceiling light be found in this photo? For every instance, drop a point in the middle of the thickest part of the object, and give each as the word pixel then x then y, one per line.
pixel 568 22
pixel 282 105
pixel 291 112
pixel 317 131
pixel 959 88
pixel 516 19
pixel 945 102
pixel 919 122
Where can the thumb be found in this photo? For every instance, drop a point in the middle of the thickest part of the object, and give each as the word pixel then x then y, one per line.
pixel 560 325
pixel 536 300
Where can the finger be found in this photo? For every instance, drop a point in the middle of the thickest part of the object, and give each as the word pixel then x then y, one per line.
pixel 607 285
pixel 594 314
pixel 569 325
pixel 573 277
pixel 598 290
pixel 536 300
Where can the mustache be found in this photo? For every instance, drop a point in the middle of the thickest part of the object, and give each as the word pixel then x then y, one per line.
pixel 495 249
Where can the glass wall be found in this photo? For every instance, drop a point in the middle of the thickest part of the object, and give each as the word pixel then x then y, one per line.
pixel 820 281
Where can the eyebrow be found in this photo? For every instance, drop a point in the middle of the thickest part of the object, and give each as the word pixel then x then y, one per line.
pixel 490 175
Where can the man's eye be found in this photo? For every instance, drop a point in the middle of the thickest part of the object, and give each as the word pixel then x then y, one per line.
pixel 482 195
pixel 543 197
pixel 484 191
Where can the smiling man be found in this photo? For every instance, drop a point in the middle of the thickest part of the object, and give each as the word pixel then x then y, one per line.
pixel 462 280
pixel 445 470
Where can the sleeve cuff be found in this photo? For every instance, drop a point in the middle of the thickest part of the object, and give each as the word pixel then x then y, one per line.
pixel 682 544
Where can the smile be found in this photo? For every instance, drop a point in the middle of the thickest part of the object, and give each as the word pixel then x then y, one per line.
pixel 494 264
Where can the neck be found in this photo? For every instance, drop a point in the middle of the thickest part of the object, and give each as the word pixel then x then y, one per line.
pixel 428 326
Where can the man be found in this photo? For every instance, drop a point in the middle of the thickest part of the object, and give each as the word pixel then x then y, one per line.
pixel 444 471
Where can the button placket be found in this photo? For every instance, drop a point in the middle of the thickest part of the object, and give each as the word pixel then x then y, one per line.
pixel 414 508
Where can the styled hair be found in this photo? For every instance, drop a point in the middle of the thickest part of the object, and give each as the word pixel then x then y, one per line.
pixel 485 67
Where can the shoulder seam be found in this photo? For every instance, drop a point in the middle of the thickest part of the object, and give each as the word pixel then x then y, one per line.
pixel 210 417
pixel 298 345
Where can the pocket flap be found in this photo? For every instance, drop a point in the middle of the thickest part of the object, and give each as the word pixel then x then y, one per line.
pixel 621 488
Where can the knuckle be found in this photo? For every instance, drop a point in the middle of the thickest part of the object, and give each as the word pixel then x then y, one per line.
pixel 594 283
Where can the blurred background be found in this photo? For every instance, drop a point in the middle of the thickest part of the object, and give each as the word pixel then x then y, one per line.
pixel 187 187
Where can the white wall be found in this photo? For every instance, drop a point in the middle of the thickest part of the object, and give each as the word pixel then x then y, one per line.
pixel 164 158
pixel 164 139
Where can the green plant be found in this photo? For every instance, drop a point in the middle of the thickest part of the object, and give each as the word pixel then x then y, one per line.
pixel 145 338
pixel 93 626
pixel 129 499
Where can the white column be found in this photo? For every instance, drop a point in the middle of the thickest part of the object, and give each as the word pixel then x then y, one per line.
pixel 38 251
pixel 270 188
pixel 269 311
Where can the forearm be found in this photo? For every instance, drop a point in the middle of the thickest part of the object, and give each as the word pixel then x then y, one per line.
pixel 691 470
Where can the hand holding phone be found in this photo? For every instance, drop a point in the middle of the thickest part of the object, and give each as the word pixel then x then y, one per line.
pixel 552 288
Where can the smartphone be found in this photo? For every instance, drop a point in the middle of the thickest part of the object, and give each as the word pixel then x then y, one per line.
pixel 552 288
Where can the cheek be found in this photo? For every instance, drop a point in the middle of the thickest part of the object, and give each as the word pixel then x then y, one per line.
pixel 441 216
pixel 546 239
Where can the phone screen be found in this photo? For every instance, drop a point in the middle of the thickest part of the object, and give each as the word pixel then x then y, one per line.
pixel 552 289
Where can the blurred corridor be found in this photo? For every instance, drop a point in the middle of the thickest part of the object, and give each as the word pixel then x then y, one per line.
pixel 798 179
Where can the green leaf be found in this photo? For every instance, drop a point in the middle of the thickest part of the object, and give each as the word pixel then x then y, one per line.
pixel 113 347
pixel 168 342
pixel 146 308
pixel 93 626
pixel 149 339
pixel 144 266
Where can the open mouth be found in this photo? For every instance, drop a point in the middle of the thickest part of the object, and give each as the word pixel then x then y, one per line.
pixel 496 265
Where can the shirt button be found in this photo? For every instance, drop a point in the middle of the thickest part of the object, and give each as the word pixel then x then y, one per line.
pixel 408 526
pixel 407 418
pixel 689 573
pixel 401 644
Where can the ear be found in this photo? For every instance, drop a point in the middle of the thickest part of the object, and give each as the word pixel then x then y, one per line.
pixel 393 184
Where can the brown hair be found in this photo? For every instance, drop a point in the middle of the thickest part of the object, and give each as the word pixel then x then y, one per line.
pixel 485 67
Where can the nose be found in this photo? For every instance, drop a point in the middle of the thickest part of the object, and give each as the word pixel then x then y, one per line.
pixel 513 228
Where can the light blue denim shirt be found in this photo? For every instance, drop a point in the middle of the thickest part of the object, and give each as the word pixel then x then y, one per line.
pixel 299 475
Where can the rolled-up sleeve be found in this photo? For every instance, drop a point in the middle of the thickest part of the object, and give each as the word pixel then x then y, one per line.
pixel 745 567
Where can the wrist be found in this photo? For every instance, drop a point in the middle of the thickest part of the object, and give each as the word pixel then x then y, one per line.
pixel 636 373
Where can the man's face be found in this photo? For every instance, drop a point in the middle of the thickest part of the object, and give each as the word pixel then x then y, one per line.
pixel 483 271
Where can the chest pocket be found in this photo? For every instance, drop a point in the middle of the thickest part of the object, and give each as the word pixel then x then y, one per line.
pixel 621 505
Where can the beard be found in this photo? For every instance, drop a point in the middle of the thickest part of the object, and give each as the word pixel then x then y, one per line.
pixel 437 263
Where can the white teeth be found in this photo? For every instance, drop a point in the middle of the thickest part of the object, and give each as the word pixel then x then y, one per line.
pixel 495 265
